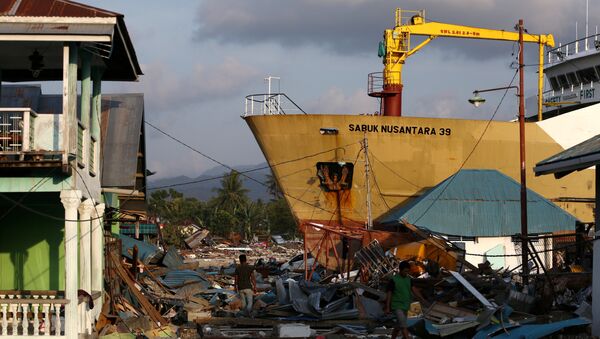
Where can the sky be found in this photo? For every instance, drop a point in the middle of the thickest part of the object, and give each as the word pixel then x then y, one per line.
pixel 200 58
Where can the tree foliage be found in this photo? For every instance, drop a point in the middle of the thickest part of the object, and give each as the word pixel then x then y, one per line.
pixel 229 211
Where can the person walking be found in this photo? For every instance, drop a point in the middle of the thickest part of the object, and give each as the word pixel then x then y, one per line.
pixel 245 283
pixel 399 297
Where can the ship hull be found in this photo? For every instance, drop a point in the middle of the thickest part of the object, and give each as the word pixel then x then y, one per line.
pixel 410 155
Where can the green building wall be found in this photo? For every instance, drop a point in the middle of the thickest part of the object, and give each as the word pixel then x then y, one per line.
pixel 32 241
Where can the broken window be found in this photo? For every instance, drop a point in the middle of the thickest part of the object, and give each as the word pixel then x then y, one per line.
pixel 335 176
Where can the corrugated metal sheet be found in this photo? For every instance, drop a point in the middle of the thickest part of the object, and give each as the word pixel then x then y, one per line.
pixel 122 119
pixel 146 252
pixel 61 8
pixel 21 96
pixel 175 279
pixel 481 203
pixel 578 157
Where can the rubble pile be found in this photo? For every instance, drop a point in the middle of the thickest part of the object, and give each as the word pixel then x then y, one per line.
pixel 191 292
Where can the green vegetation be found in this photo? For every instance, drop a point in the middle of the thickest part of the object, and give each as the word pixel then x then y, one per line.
pixel 229 211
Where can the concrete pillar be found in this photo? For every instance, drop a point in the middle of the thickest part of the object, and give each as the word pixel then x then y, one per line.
pixel 85 245
pixel 71 200
pixel 69 96
pixel 596 261
pixel 98 256
pixel 98 248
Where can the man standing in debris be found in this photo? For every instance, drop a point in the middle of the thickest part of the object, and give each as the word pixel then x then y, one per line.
pixel 245 283
pixel 399 297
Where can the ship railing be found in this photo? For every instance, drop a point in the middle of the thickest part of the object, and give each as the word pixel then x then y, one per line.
pixel 270 104
pixel 377 81
pixel 32 313
pixel 560 53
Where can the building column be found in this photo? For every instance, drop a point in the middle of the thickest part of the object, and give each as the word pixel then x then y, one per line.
pixel 98 256
pixel 71 200
pixel 85 245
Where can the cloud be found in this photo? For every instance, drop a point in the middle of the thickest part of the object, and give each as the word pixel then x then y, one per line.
pixel 355 27
pixel 335 101
pixel 166 89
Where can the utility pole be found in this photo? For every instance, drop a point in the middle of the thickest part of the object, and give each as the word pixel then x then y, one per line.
pixel 524 228
pixel 368 183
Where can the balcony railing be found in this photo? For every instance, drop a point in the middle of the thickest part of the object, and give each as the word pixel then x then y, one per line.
pixel 29 139
pixel 31 313
pixel 17 129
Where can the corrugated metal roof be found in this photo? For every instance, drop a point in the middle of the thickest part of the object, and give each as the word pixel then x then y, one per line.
pixel 122 119
pixel 75 19
pixel 578 157
pixel 60 8
pixel 481 203
pixel 21 96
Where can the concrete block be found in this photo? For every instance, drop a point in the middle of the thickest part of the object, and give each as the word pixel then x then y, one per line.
pixel 294 330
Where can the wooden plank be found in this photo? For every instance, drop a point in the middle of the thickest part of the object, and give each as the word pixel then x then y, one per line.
pixel 146 305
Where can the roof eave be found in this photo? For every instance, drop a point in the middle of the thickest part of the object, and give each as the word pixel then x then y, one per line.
pixel 568 165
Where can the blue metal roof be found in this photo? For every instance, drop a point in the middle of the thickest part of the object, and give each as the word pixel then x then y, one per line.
pixel 484 203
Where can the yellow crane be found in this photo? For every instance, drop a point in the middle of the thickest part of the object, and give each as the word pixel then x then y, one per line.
pixel 396 48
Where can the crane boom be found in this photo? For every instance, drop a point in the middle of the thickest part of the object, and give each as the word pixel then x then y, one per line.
pixel 396 48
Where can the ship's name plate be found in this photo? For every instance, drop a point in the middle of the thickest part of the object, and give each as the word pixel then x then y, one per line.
pixel 396 129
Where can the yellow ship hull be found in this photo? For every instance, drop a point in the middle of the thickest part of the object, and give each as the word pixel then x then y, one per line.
pixel 408 156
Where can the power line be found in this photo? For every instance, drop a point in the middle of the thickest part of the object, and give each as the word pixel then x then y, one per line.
pixel 246 176
pixel 451 179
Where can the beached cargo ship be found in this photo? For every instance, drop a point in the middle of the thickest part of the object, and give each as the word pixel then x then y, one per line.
pixel 329 166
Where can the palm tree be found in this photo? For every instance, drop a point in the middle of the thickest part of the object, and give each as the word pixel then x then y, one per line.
pixel 232 194
pixel 250 216
pixel 273 187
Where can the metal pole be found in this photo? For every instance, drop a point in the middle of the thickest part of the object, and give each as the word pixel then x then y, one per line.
pixel 305 255
pixel 369 219
pixel 524 230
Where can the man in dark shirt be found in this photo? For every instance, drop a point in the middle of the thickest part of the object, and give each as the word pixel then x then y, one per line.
pixel 399 296
pixel 245 283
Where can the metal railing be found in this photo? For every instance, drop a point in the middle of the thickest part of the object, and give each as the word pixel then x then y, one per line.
pixel 270 104
pixel 17 129
pixel 31 313
pixel 378 80
pixel 562 52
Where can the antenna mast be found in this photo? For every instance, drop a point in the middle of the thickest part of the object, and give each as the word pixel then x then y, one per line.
pixel 368 184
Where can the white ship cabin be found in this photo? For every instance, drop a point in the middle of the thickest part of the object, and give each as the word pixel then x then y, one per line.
pixel 573 74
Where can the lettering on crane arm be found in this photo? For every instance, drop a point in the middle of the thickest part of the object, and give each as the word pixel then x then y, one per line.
pixel 459 32
pixel 395 129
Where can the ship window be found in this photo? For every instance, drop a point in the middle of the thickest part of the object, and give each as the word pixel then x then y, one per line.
pixel 562 79
pixel 573 79
pixel 335 176
pixel 587 75
pixel 554 84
